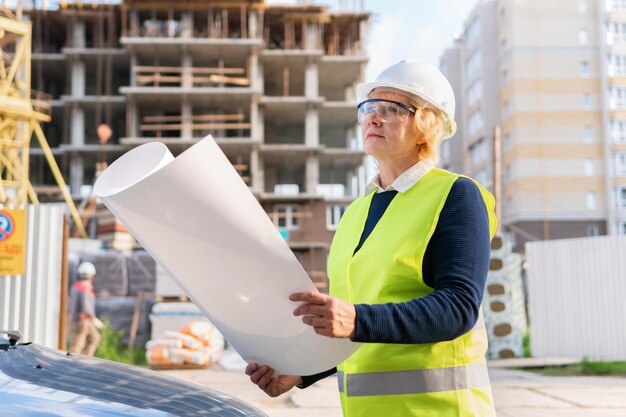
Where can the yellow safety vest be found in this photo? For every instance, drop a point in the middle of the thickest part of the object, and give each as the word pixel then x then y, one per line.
pixel 432 379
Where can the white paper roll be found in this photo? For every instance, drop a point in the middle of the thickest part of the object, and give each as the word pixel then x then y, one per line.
pixel 199 221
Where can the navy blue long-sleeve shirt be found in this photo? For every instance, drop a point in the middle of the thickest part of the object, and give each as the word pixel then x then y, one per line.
pixel 455 265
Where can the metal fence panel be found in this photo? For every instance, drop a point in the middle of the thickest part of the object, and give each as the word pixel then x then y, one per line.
pixel 30 303
pixel 576 291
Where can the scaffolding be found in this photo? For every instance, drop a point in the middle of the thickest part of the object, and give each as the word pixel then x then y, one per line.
pixel 21 112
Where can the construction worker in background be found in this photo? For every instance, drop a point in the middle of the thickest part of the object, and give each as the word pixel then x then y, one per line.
pixel 407 266
pixel 85 336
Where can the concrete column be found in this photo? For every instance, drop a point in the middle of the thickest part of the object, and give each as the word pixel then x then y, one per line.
pixel 186 112
pixel 77 167
pixel 187 25
pixel 253 24
pixel 257 173
pixel 78 78
pixel 349 93
pixel 132 123
pixel 260 73
pixel 77 127
pixel 312 174
pixel 311 127
pixel 311 80
pixel 261 125
pixel 312 36
pixel 363 37
pixel 78 35
pixel 254 120
pixel 133 65
pixel 253 66
pixel 187 74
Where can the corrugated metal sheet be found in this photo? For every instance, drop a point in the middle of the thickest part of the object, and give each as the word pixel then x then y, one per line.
pixel 576 297
pixel 30 303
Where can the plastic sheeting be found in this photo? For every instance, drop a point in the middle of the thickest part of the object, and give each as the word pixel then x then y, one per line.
pixel 198 219
pixel 111 278
pixel 119 311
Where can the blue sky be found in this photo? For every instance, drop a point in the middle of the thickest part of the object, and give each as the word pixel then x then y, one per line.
pixel 415 30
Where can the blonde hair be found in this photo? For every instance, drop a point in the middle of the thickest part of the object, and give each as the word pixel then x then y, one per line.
pixel 429 123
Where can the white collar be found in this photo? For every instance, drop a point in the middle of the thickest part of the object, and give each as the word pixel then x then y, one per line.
pixel 405 181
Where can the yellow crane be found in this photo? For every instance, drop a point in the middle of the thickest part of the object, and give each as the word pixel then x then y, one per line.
pixel 21 112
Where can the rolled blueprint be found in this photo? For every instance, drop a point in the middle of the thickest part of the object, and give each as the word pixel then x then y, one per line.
pixel 198 220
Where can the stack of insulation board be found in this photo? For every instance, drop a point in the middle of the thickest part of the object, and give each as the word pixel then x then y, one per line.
pixel 503 303
pixel 113 234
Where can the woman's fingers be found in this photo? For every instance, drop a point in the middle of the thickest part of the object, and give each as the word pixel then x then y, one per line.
pixel 329 316
pixel 311 297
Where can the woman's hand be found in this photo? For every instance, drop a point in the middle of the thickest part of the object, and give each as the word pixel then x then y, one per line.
pixel 272 385
pixel 328 315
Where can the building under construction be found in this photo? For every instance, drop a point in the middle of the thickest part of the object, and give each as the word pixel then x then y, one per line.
pixel 274 85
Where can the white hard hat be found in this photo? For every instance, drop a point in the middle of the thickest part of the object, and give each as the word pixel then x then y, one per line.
pixel 418 80
pixel 86 270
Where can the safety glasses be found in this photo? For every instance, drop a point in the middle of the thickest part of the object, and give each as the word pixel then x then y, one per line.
pixel 387 111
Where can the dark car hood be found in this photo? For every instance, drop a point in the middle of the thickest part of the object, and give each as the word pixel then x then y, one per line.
pixel 38 381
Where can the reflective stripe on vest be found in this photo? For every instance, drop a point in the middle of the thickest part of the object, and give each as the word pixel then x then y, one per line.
pixel 420 381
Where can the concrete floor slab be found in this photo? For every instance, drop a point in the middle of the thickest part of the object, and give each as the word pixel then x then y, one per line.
pixel 516 394
pixel 520 397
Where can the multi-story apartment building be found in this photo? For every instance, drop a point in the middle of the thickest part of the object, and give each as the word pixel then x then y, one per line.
pixel 552 135
pixel 553 109
pixel 451 155
pixel 612 19
pixel 274 85
pixel 477 107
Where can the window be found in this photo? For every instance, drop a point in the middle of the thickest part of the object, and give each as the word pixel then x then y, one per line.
pixel 619 164
pixel 589 167
pixel 483 178
pixel 333 215
pixel 478 153
pixel 506 108
pixel 617 65
pixel 588 134
pixel 591 200
pixel 621 228
pixel 584 68
pixel 617 98
pixel 507 142
pixel 504 77
pixel 620 197
pixel 618 131
pixel 593 230
pixel 472 33
pixel 475 122
pixel 473 66
pixel 615 5
pixel 616 32
pixel 286 216
pixel 582 6
pixel 286 189
pixel 583 36
pixel 586 101
pixel 474 93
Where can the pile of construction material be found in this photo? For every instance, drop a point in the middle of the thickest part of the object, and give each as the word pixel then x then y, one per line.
pixel 196 344
pixel 113 234
pixel 503 303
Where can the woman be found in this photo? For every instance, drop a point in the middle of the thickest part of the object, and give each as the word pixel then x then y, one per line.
pixel 407 266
